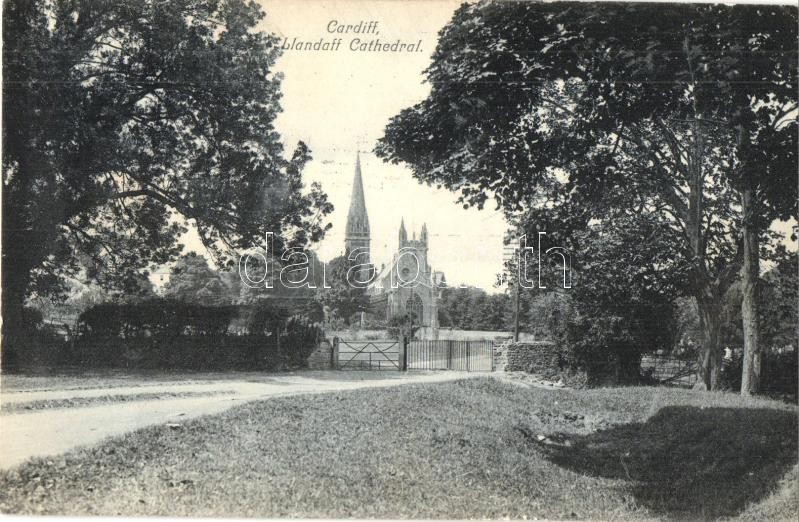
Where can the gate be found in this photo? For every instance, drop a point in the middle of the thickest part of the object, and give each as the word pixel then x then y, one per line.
pixel 366 355
pixel 468 356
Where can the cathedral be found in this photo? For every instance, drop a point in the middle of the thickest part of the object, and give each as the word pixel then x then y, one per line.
pixel 408 283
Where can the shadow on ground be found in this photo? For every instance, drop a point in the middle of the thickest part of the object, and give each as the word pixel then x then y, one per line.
pixel 688 462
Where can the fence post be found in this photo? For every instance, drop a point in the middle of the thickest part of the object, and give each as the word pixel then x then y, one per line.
pixel 402 356
pixel 449 355
pixel 334 354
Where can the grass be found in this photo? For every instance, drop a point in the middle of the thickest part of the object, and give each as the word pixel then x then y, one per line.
pixel 468 449
pixel 76 402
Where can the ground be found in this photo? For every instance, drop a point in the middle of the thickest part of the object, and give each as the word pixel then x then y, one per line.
pixel 471 448
pixel 47 415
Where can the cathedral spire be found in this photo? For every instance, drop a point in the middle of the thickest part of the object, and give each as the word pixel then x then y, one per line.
pixel 357 233
pixel 423 238
pixel 403 235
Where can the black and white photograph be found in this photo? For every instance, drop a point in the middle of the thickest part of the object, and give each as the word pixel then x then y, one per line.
pixel 400 259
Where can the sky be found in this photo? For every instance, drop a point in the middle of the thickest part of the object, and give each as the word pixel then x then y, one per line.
pixel 339 102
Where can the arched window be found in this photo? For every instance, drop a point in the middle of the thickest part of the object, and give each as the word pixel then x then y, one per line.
pixel 414 305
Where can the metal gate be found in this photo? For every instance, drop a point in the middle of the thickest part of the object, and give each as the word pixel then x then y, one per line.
pixel 468 356
pixel 367 355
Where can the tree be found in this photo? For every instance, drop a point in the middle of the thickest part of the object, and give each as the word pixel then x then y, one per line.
pixel 764 117
pixel 619 311
pixel 124 122
pixel 193 281
pixel 344 297
pixel 564 120
pixel 297 278
pixel 494 312
pixel 471 308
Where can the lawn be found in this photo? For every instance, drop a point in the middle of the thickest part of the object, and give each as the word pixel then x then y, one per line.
pixel 77 402
pixel 479 448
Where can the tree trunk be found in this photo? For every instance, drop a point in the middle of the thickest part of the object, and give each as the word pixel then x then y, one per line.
pixel 708 300
pixel 750 378
pixel 30 227
pixel 710 354
pixel 15 283
pixel 22 251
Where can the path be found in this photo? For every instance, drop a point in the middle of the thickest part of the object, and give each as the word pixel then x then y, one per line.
pixel 55 431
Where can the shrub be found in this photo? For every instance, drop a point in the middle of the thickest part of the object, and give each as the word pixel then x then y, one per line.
pixel 40 344
pixel 607 344
pixel 299 339
pixel 778 372
pixel 402 324
pixel 164 333
pixel 155 317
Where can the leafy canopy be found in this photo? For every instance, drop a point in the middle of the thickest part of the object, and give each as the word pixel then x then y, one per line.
pixel 126 122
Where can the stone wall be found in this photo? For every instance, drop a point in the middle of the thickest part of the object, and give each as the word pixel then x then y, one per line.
pixel 540 357
pixel 322 357
pixel 501 353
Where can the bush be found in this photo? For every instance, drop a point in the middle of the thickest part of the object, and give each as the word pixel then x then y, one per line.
pixel 608 346
pixel 40 344
pixel 402 324
pixel 778 373
pixel 168 334
pixel 155 317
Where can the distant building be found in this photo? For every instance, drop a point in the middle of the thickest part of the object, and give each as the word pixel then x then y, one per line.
pixel 408 283
pixel 357 233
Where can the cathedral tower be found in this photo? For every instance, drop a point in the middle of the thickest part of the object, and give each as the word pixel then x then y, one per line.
pixel 357 234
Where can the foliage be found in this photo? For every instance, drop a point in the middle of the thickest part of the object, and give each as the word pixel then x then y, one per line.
pixel 193 281
pixel 344 298
pixel 267 317
pixel 472 308
pixel 304 300
pixel 299 339
pixel 405 325
pixel 41 346
pixel 777 311
pixel 126 122
pixel 162 333
pixel 619 311
pixel 31 318
pixel 155 317
pixel 779 371
pixel 524 107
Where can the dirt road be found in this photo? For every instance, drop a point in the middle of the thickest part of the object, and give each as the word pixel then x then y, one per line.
pixel 52 431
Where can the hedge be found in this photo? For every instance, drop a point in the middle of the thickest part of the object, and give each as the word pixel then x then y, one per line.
pixel 170 334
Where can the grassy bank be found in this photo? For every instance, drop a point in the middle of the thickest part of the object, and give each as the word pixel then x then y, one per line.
pixel 470 449
pixel 102 400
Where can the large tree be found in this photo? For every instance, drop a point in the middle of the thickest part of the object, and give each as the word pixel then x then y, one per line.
pixel 567 111
pixel 346 294
pixel 193 281
pixel 126 122
pixel 617 310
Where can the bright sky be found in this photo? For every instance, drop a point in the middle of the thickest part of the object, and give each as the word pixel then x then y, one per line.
pixel 340 101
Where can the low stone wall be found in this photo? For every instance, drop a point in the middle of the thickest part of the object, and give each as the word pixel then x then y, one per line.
pixel 501 354
pixel 322 357
pixel 540 357
pixel 544 359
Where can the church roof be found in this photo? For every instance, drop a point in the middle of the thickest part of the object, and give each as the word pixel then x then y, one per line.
pixel 357 218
